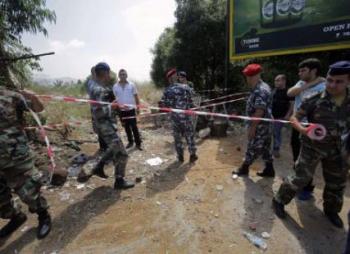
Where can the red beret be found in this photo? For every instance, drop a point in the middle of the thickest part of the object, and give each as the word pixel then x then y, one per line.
pixel 252 69
pixel 171 72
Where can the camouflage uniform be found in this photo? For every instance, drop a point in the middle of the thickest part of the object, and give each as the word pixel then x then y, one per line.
pixel 260 98
pixel 91 82
pixel 106 127
pixel 17 171
pixel 179 96
pixel 321 109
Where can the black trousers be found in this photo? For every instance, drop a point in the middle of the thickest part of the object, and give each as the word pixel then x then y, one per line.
pixel 296 144
pixel 130 126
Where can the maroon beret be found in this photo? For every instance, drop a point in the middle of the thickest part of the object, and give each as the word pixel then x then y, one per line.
pixel 171 72
pixel 252 69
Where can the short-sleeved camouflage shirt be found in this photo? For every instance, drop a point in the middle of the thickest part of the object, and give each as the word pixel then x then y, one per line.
pixel 321 109
pixel 13 141
pixel 179 97
pixel 260 98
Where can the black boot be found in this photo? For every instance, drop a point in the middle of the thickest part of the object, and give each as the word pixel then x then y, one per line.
pixel 98 170
pixel 44 227
pixel 242 171
pixel 15 222
pixel 268 171
pixel 180 158
pixel 335 219
pixel 278 209
pixel 83 177
pixel 122 184
pixel 193 158
pixel 129 145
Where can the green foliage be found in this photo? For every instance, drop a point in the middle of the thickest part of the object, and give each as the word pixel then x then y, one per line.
pixel 197 45
pixel 17 17
pixel 162 56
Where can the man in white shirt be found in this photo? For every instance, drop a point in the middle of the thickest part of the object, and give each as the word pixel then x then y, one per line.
pixel 310 84
pixel 126 94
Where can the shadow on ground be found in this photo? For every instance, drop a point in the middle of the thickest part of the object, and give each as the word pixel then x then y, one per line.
pixel 67 226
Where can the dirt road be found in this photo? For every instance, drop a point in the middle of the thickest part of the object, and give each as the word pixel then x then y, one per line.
pixel 181 209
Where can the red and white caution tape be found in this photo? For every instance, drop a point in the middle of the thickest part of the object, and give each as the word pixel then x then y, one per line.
pixel 220 103
pixel 50 152
pixel 173 110
pixel 226 97
pixel 54 126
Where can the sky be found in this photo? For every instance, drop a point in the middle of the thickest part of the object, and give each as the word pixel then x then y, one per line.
pixel 119 32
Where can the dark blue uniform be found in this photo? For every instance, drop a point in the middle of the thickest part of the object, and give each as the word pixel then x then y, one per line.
pixel 179 96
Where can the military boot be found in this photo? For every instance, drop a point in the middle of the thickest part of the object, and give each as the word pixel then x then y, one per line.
pixel 193 158
pixel 180 158
pixel 268 171
pixel 122 184
pixel 15 222
pixel 335 219
pixel 278 209
pixel 98 170
pixel 44 227
pixel 242 171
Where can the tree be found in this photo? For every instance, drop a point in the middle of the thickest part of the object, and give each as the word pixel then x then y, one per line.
pixel 197 44
pixel 17 17
pixel 163 56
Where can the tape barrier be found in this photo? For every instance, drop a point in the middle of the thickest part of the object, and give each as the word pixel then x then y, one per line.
pixel 49 149
pixel 55 126
pixel 215 90
pixel 239 95
pixel 178 111
pixel 316 132
pixel 220 103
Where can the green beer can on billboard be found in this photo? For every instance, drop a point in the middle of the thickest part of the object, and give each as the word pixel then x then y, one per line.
pixel 273 27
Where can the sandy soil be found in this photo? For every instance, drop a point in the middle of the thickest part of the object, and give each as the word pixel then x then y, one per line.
pixel 181 208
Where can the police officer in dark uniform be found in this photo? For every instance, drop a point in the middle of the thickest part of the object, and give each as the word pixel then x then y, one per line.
pixel 179 96
pixel 259 104
pixel 332 110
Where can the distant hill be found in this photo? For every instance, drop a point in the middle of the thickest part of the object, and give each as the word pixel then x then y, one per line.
pixel 43 79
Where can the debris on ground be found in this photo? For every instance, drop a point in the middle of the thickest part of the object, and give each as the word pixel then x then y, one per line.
pixel 265 235
pixel 154 161
pixel 255 240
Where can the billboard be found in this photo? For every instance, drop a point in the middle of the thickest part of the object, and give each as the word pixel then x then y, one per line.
pixel 275 27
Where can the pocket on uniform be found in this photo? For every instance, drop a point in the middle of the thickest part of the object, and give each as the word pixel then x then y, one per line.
pixel 20 149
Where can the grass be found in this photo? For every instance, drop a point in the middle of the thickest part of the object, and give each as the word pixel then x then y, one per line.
pixel 60 112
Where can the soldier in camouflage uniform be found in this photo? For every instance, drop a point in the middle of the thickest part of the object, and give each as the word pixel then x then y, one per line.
pixel 17 170
pixel 106 127
pixel 90 83
pixel 179 97
pixel 332 110
pixel 259 133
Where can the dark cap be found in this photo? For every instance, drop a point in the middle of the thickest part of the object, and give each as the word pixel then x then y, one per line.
pixel 182 74
pixel 170 73
pixel 339 68
pixel 252 70
pixel 102 67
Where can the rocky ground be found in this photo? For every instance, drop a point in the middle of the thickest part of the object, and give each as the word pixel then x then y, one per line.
pixel 178 208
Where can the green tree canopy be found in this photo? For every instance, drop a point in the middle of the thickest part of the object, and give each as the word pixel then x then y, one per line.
pixel 197 45
pixel 17 17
